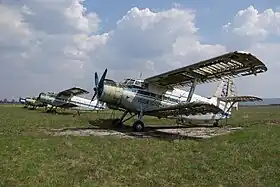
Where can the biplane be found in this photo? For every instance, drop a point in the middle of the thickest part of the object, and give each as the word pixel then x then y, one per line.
pixel 69 99
pixel 22 100
pixel 162 95
pixel 32 102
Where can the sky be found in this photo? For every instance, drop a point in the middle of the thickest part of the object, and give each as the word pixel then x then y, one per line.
pixel 52 45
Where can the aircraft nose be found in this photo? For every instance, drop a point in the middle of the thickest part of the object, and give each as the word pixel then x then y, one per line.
pixel 112 94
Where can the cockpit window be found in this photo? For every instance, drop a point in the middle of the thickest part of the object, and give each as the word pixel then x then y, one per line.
pixel 137 83
pixel 52 94
pixel 130 82
pixel 125 81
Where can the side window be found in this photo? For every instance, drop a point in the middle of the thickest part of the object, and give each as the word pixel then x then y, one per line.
pixel 154 95
pixel 160 97
pixel 143 92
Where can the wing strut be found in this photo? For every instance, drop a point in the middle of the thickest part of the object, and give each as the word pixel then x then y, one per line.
pixel 191 92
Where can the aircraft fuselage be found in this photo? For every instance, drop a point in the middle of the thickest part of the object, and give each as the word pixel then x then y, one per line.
pixel 81 103
pixel 135 100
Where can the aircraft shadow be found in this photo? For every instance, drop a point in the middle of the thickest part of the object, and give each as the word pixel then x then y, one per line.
pixel 29 108
pixel 59 113
pixel 150 131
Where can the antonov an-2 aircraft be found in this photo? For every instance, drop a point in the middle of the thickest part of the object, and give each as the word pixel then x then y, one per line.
pixel 33 102
pixel 159 96
pixel 68 99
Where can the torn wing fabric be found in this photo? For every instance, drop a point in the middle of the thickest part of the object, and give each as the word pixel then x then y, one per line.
pixel 240 99
pixel 229 65
pixel 193 108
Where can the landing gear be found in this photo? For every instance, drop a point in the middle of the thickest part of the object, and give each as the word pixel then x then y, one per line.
pixel 78 113
pixel 137 126
pixel 117 123
pixel 52 110
pixel 216 124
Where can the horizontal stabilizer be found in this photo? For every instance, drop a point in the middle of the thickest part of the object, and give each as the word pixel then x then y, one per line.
pixel 240 99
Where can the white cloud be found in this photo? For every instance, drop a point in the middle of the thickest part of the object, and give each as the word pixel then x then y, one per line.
pixel 252 25
pixel 49 45
pixel 153 42
pixel 257 32
pixel 45 39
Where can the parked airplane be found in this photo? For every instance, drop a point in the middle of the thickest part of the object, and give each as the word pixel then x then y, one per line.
pixel 68 99
pixel 159 96
pixel 32 102
pixel 22 100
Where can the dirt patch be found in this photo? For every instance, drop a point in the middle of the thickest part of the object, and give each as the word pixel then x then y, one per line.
pixel 87 132
pixel 174 133
pixel 201 132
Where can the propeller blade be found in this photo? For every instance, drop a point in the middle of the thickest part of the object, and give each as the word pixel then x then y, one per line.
pixel 101 84
pixel 101 81
pixel 96 79
pixel 95 93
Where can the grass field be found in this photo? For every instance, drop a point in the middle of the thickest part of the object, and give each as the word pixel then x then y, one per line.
pixel 30 157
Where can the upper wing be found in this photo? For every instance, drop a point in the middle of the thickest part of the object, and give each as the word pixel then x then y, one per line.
pixel 233 64
pixel 193 108
pixel 72 92
pixel 240 99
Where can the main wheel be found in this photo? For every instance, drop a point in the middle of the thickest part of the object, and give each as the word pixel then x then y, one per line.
pixel 117 123
pixel 138 126
pixel 216 124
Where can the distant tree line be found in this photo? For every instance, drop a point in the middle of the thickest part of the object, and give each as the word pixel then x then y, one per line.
pixel 6 101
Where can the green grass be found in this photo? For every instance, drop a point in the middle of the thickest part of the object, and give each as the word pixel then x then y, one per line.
pixel 29 157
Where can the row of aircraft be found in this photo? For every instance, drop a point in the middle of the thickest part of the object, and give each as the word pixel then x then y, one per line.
pixel 66 99
pixel 163 95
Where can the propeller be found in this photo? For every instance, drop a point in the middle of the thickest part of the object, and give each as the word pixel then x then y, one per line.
pixel 99 87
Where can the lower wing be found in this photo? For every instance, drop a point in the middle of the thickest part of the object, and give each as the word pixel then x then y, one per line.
pixel 193 108
pixel 67 105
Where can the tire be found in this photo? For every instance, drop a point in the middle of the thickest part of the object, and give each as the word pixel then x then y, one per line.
pixel 138 126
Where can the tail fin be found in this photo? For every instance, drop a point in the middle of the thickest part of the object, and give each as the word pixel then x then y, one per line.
pixel 227 98
pixel 225 89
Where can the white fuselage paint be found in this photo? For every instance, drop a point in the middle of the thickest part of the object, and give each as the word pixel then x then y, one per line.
pixel 30 102
pixel 82 103
pixel 130 99
pixel 85 104
pixel 22 100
